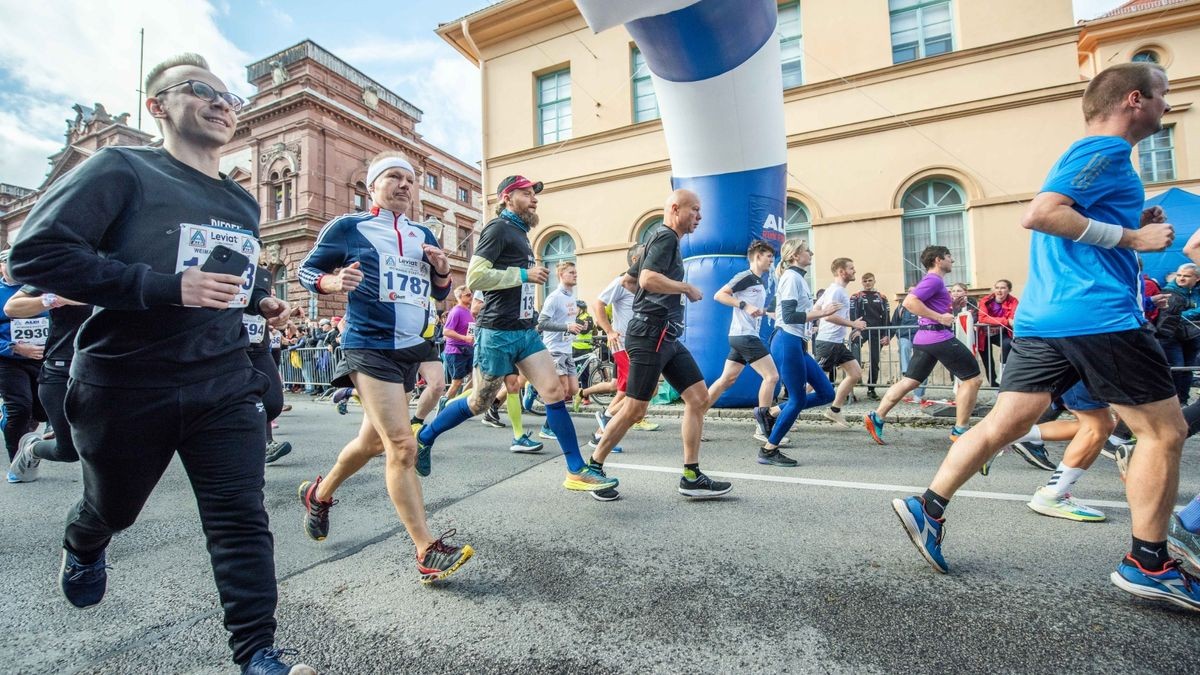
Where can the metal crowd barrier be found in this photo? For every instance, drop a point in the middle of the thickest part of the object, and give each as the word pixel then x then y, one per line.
pixel 310 367
pixel 892 359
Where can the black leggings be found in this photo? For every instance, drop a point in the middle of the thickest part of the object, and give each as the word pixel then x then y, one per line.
pixel 22 409
pixel 273 398
pixel 52 392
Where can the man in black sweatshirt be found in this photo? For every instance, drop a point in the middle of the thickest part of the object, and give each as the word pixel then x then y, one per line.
pixel 161 367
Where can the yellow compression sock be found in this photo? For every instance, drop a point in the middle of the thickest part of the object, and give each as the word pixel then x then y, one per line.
pixel 513 402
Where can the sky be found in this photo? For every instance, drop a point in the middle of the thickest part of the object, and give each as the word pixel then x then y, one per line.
pixel 56 53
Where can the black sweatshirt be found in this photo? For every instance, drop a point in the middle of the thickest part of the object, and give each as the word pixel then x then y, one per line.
pixel 117 232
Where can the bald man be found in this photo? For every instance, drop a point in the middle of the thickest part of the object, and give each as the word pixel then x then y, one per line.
pixel 652 343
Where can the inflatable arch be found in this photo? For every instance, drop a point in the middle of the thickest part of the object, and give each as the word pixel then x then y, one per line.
pixel 716 73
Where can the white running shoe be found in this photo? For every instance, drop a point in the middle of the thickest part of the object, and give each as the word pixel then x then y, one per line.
pixel 836 417
pixel 24 467
pixel 1047 503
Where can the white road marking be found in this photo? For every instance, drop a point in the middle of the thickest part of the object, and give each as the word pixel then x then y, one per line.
pixel 855 485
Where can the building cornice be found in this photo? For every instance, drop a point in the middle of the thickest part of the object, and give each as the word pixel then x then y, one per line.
pixel 501 21
pixel 309 98
pixel 1124 26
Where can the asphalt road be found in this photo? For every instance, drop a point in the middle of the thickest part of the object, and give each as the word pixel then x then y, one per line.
pixel 799 570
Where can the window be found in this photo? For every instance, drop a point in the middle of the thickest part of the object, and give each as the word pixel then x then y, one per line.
pixel 649 228
pixel 790 45
pixel 920 28
pixel 281 194
pixel 935 213
pixel 464 194
pixel 554 107
pixel 281 282
pixel 1147 55
pixel 362 201
pixel 1156 156
pixel 560 247
pixel 465 245
pixel 797 224
pixel 431 181
pixel 645 103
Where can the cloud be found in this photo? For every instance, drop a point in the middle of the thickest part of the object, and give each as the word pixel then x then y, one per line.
pixel 91 55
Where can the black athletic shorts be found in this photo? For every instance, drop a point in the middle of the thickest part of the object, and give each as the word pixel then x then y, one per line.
pixel 398 366
pixel 950 353
pixel 1125 368
pixel 746 349
pixel 830 354
pixel 648 359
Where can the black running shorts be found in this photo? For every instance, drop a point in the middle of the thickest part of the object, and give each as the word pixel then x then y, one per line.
pixel 950 353
pixel 746 349
pixel 830 354
pixel 1123 368
pixel 398 366
pixel 648 359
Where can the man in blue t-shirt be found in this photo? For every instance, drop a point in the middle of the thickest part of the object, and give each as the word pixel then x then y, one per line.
pixel 1088 221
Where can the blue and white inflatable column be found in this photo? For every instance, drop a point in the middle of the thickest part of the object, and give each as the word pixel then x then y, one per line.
pixel 716 72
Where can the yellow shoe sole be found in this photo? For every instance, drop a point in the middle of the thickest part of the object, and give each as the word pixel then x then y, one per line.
pixel 467 553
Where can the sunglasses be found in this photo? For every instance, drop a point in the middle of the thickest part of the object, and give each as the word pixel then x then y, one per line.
pixel 205 92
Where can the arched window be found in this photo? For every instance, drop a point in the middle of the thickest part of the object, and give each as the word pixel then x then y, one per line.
pixel 1147 56
pixel 797 224
pixel 560 247
pixel 648 228
pixel 935 213
pixel 281 194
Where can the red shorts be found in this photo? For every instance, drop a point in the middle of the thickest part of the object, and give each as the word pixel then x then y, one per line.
pixel 621 359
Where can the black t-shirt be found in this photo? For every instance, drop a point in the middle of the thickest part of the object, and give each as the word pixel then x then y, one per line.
pixel 505 245
pixel 116 232
pixel 662 255
pixel 64 323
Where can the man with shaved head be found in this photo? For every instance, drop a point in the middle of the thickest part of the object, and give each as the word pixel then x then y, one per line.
pixel 164 245
pixel 652 343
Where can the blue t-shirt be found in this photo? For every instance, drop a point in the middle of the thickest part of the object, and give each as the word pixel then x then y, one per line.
pixel 1080 289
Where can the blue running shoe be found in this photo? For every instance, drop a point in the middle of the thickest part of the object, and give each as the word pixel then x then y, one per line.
pixel 527 400
pixel 266 661
pixel 83 585
pixel 424 454
pixel 1171 584
pixel 957 431
pixel 525 444
pixel 602 419
pixel 925 532
pixel 547 433
pixel 874 427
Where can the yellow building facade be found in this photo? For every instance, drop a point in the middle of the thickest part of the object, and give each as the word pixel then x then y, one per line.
pixel 908 122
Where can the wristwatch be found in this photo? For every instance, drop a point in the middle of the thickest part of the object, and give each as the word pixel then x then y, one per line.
pixel 742 304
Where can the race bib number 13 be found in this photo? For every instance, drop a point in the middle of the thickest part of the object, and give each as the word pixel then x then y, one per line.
pixel 528 300
pixel 196 243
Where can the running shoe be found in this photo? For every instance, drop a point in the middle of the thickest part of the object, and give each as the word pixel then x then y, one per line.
pixel 925 532
pixel 424 464
pixel 874 427
pixel 956 431
pixel 442 404
pixel 1170 584
pixel 287 407
pixel 703 487
pixel 762 422
pixel 644 425
pixel 267 661
pixel 491 418
pixel 343 406
pixel 836 417
pixel 1035 454
pixel 872 395
pixel 595 443
pixel 527 400
pixel 316 516
pixel 1047 503
pixel 547 433
pixel 525 444
pixel 775 458
pixel 83 584
pixel 441 559
pixel 1183 543
pixel 24 467
pixel 577 402
pixel 987 466
pixel 1124 454
pixel 589 480
pixel 602 419
pixel 1111 450
pixel 607 495
pixel 276 449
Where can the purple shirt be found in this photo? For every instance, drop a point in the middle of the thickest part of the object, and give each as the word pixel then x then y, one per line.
pixel 933 292
pixel 459 321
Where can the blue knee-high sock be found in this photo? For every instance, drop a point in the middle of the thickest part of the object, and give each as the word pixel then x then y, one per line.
pixel 560 423
pixel 1190 516
pixel 455 413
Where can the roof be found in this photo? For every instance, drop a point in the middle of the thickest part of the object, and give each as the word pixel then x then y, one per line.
pixel 1134 6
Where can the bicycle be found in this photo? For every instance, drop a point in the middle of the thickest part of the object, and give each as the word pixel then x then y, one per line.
pixel 592 367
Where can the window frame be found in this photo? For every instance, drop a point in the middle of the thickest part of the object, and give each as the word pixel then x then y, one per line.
pixel 962 264
pixel 634 81
pixel 544 105
pixel 799 40
pixel 1148 171
pixel 550 261
pixel 920 8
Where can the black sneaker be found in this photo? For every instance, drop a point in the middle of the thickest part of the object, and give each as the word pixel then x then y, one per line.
pixel 775 458
pixel 316 517
pixel 1035 454
pixel 605 495
pixel 83 584
pixel 275 450
pixel 872 395
pixel 762 420
pixel 703 487
pixel 492 418
pixel 443 559
pixel 266 661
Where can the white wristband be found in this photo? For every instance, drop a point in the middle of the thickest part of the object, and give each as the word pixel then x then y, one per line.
pixel 49 299
pixel 1104 235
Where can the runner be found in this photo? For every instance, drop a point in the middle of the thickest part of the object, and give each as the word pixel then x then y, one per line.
pixel 389 266
pixel 654 349
pixel 829 347
pixel 933 343
pixel 789 348
pixel 259 352
pixel 22 346
pixel 746 293
pixel 1081 263
pixel 557 324
pixel 65 318
pixel 163 359
pixel 505 339
pixel 460 342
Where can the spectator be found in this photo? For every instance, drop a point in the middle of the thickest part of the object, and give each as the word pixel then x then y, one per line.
pixel 994 327
pixel 460 341
pixel 1178 332
pixel 871 306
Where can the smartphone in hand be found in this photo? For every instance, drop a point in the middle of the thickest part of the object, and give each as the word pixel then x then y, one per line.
pixel 224 260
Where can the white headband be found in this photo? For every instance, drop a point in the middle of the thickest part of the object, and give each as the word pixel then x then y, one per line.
pixel 385 164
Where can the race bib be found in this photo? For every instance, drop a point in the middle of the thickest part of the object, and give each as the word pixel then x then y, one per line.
pixel 404 280
pixel 276 341
pixel 528 300
pixel 471 330
pixel 196 243
pixel 31 331
pixel 256 328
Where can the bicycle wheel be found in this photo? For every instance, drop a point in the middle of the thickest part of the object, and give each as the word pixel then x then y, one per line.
pixel 603 372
